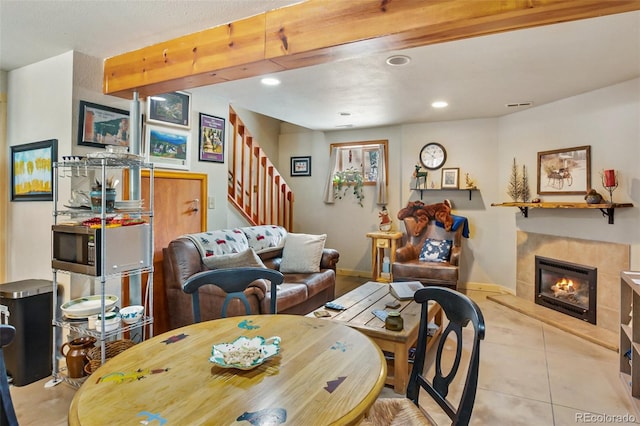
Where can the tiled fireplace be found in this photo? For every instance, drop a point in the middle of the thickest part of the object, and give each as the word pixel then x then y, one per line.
pixel 608 259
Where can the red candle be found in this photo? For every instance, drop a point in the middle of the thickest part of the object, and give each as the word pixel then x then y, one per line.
pixel 609 178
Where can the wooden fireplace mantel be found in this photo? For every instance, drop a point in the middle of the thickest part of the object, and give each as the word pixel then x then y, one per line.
pixel 607 209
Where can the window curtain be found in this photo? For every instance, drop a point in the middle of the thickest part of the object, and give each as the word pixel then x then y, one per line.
pixel 381 183
pixel 328 189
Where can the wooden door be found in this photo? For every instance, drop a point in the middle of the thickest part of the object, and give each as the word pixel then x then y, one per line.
pixel 179 208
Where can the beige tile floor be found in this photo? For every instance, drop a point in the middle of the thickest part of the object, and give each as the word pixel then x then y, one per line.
pixel 530 374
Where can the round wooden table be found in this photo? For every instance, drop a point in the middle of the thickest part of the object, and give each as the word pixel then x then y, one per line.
pixel 326 373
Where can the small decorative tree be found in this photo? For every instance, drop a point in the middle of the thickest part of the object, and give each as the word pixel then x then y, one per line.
pixel 515 184
pixel 525 194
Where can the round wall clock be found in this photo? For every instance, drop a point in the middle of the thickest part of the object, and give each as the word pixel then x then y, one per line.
pixel 433 155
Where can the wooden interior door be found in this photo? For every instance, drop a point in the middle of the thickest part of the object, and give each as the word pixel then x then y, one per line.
pixel 179 208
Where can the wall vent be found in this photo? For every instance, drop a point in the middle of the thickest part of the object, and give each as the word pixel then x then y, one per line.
pixel 519 104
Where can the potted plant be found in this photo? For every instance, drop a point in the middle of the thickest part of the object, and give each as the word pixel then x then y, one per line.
pixel 345 179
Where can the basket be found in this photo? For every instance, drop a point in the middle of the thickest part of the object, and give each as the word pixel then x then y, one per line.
pixel 111 349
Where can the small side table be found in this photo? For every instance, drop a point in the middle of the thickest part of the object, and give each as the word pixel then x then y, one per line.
pixel 379 242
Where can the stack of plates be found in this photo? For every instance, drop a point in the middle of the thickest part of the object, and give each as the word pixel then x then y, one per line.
pixel 128 204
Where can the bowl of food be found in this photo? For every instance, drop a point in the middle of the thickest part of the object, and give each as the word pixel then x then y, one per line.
pixel 245 353
pixel 132 314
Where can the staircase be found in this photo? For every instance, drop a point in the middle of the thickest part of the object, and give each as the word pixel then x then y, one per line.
pixel 255 187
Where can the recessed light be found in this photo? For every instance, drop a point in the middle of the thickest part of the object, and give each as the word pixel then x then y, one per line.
pixel 270 81
pixel 344 114
pixel 440 104
pixel 398 60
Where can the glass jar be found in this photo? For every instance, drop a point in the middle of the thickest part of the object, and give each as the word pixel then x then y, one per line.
pixel 394 321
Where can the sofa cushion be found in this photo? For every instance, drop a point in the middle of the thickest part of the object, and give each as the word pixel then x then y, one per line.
pixel 265 237
pixel 289 295
pixel 247 258
pixel 223 241
pixel 302 253
pixel 436 250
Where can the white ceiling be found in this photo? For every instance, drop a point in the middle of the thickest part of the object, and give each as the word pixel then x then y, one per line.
pixel 477 76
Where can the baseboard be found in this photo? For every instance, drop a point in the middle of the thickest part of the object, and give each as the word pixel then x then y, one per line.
pixel 353 273
pixel 496 288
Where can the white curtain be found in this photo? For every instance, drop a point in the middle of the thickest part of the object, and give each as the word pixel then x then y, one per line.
pixel 328 189
pixel 381 183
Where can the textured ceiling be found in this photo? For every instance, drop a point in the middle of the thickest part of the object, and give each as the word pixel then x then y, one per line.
pixel 476 76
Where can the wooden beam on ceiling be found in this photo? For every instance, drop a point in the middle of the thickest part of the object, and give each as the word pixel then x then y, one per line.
pixel 322 31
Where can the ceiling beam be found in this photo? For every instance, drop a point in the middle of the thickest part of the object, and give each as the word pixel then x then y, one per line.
pixel 321 31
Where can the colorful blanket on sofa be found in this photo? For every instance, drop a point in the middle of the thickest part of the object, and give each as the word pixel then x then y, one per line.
pixel 236 240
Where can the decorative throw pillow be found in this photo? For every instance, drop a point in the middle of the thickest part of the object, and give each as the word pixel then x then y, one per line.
pixel 247 258
pixel 436 250
pixel 302 253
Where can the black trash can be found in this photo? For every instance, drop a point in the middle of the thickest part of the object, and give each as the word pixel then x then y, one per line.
pixel 26 305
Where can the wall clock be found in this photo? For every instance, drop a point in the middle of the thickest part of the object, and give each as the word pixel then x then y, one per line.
pixel 433 155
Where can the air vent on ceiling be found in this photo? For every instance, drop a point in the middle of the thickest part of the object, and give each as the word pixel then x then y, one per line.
pixel 519 104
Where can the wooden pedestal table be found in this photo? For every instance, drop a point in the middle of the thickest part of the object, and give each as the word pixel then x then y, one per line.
pixel 326 373
pixel 379 242
pixel 360 303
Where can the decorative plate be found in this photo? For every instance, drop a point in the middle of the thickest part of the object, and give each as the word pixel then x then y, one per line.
pixel 245 353
pixel 89 305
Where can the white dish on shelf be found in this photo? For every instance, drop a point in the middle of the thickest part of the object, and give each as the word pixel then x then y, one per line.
pixel 84 307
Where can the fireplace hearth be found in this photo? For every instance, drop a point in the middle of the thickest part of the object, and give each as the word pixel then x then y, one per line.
pixel 566 287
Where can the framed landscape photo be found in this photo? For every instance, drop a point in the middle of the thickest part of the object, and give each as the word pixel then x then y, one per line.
pixel 32 170
pixel 167 147
pixel 211 139
pixel 300 166
pixel 100 125
pixel 450 178
pixel 172 109
pixel 564 171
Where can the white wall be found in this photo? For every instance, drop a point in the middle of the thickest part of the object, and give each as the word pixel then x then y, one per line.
pixel 39 107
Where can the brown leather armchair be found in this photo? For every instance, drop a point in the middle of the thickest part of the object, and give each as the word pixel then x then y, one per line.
pixel 408 267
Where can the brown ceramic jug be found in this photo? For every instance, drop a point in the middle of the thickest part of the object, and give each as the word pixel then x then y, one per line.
pixel 76 355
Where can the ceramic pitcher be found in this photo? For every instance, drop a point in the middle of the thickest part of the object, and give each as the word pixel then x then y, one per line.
pixel 75 352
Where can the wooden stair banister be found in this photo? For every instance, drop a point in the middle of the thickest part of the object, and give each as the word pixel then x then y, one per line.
pixel 255 187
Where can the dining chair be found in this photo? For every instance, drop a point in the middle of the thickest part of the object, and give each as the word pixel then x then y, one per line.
pixel 233 281
pixel 461 312
pixel 7 413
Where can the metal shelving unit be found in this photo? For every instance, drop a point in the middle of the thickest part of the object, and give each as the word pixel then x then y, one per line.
pixel 81 167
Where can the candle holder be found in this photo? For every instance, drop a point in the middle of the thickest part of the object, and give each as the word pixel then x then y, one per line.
pixel 610 187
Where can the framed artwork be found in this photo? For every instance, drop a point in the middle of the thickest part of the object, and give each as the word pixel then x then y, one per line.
pixel 300 166
pixel 100 125
pixel 32 170
pixel 172 109
pixel 211 138
pixel 450 178
pixel 167 147
pixel 564 171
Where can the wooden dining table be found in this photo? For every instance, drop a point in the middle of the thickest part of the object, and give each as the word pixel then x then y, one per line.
pixel 325 374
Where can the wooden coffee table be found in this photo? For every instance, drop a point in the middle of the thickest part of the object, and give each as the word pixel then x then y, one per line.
pixel 360 303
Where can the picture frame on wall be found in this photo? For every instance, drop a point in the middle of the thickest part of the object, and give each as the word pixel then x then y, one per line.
pixel 450 178
pixel 211 145
pixel 167 147
pixel 300 166
pixel 565 171
pixel 170 109
pixel 100 126
pixel 32 170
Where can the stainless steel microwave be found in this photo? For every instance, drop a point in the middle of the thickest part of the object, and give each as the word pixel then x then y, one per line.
pixel 80 249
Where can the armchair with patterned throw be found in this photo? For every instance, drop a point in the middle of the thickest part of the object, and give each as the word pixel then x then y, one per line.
pixel 430 253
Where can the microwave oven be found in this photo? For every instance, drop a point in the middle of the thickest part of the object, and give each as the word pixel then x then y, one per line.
pixel 79 249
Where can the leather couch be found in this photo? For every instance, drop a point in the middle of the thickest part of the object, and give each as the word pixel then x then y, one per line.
pixel 300 293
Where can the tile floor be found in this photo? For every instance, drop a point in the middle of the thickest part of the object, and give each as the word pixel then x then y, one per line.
pixel 530 374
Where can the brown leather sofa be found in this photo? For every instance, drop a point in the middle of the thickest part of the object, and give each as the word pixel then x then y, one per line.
pixel 408 266
pixel 298 294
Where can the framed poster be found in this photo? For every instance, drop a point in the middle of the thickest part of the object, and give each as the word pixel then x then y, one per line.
pixel 167 147
pixel 211 139
pixel 300 166
pixel 450 178
pixel 100 125
pixel 564 171
pixel 172 109
pixel 32 170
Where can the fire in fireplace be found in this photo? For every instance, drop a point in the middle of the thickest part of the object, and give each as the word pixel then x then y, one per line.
pixel 566 287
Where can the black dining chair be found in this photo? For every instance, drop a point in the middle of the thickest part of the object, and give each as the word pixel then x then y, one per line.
pixel 461 313
pixel 7 414
pixel 233 281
